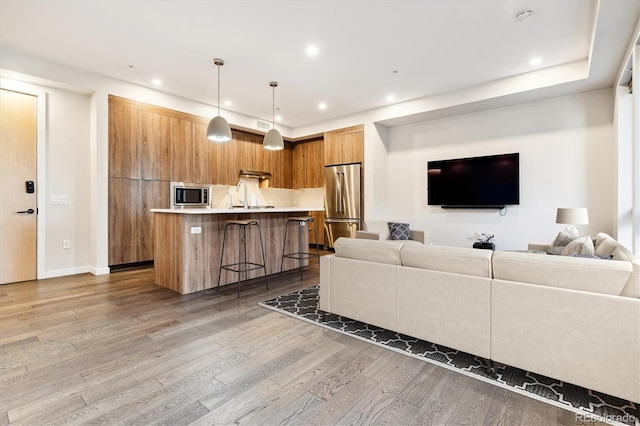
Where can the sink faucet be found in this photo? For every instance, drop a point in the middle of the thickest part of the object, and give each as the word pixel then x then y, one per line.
pixel 230 202
pixel 245 202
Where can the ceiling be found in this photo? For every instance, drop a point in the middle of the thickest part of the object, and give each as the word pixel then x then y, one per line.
pixel 367 50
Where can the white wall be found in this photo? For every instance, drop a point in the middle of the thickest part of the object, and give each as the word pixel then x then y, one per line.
pixel 67 174
pixel 567 159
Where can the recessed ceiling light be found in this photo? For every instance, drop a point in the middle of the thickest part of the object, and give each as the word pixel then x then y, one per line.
pixel 228 103
pixel 278 118
pixel 535 61
pixel 156 82
pixel 391 98
pixel 322 105
pixel 312 50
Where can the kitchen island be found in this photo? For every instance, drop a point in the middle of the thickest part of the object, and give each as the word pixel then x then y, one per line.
pixel 188 243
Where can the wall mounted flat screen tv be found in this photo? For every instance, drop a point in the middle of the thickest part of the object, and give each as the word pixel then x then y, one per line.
pixel 479 182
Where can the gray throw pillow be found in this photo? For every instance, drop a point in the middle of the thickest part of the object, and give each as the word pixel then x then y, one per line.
pixel 564 238
pixel 583 245
pixel 399 231
pixel 557 250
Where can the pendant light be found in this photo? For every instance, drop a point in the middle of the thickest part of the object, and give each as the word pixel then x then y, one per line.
pixel 273 138
pixel 218 129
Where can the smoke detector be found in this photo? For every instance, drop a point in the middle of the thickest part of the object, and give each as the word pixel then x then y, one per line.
pixel 523 15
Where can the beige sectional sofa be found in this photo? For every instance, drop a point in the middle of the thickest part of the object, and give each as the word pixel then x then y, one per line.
pixel 571 318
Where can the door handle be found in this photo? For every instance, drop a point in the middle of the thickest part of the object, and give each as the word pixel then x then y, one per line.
pixel 30 211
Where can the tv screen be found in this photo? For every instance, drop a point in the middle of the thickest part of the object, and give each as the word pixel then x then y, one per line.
pixel 478 182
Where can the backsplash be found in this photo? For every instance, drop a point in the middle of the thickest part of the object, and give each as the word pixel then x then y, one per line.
pixel 277 197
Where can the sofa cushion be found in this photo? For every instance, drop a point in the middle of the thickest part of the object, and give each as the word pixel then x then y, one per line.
pixel 399 231
pixel 575 273
pixel 600 237
pixel 382 251
pixel 458 260
pixel 378 227
pixel 607 246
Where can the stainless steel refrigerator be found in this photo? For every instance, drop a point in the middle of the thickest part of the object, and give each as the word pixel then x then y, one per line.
pixel 342 200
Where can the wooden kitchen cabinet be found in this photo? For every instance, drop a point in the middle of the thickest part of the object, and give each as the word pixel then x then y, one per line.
pixel 124 141
pixel 308 172
pixel 279 164
pixel 203 168
pixel 154 147
pixel 125 218
pixel 308 164
pixel 153 195
pixel 150 146
pixel 344 146
pixel 181 150
pixel 130 219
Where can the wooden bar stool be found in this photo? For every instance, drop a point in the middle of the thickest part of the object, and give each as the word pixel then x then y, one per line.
pixel 243 264
pixel 301 255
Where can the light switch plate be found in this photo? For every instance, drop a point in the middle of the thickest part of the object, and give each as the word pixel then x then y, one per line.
pixel 59 199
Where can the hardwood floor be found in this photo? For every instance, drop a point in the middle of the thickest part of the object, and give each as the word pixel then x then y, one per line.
pixel 117 349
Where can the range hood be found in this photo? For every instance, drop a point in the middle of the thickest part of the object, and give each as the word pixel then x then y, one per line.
pixel 254 174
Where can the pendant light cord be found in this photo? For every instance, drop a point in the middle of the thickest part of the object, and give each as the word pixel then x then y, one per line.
pixel 273 107
pixel 218 89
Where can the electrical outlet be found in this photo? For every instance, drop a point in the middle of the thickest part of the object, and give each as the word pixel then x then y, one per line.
pixel 196 230
pixel 66 244
pixel 471 235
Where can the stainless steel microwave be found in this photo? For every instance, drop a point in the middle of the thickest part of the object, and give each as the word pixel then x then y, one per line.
pixel 190 195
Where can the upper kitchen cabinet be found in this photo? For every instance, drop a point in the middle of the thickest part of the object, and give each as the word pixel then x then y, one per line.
pixel 251 155
pixel 203 156
pixel 278 163
pixel 344 146
pixel 125 123
pixel 308 164
pixel 180 150
pixel 154 149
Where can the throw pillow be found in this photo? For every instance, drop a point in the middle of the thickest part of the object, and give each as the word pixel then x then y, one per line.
pixel 399 231
pixel 583 245
pixel 564 238
pixel 557 250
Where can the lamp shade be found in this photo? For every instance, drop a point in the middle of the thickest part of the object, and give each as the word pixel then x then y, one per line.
pixel 218 130
pixel 572 216
pixel 273 140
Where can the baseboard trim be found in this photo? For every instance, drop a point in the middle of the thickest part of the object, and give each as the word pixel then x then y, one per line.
pixel 69 271
pixel 100 271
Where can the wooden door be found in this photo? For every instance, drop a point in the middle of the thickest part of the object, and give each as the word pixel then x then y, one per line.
pixel 18 207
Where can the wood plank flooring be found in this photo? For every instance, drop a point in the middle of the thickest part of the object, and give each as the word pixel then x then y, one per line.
pixel 118 350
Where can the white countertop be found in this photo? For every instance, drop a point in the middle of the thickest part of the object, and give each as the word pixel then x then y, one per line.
pixel 241 210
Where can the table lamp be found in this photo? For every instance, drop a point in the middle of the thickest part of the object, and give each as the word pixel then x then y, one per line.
pixel 572 217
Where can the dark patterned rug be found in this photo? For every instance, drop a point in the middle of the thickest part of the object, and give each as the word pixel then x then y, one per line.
pixel 303 304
